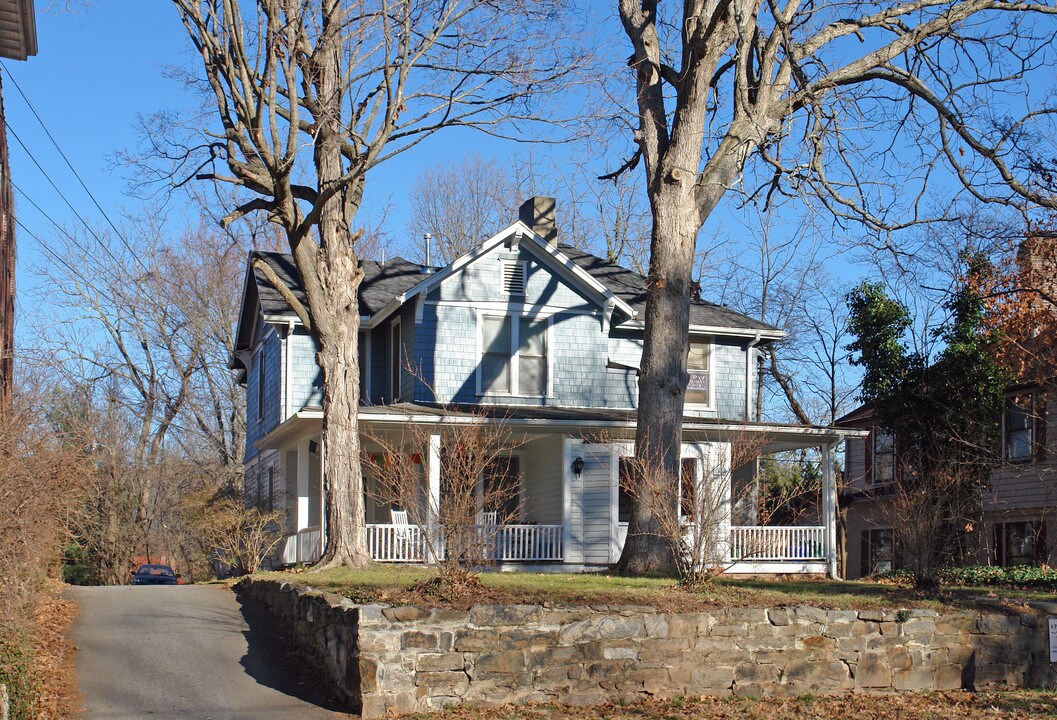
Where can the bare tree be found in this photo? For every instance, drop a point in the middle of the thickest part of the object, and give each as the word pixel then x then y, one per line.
pixel 459 528
pixel 459 206
pixel 310 96
pixel 783 92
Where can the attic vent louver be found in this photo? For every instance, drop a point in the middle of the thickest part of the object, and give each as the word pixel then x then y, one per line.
pixel 513 277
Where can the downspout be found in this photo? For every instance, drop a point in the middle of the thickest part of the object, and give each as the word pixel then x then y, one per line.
pixel 749 365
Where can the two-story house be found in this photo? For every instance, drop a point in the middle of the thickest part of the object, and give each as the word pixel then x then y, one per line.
pixel 544 338
pixel 1018 509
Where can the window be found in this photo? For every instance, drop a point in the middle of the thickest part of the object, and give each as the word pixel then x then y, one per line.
pixel 878 551
pixel 396 359
pixel 698 360
pixel 260 384
pixel 1020 543
pixel 268 503
pixel 1018 428
pixel 884 458
pixel 513 275
pixel 688 490
pixel 514 356
pixel 625 480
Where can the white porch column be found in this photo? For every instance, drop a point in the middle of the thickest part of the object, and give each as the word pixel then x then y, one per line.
pixel 568 553
pixel 718 456
pixel 302 483
pixel 322 496
pixel 829 508
pixel 433 478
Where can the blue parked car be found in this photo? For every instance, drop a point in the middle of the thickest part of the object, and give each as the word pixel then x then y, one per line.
pixel 155 575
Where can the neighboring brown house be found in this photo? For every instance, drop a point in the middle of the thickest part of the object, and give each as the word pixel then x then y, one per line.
pixel 1019 511
pixel 18 40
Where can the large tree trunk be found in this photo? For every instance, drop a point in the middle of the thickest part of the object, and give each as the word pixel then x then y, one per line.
pixel 336 286
pixel 662 376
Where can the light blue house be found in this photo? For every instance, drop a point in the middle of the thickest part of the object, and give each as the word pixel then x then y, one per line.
pixel 548 338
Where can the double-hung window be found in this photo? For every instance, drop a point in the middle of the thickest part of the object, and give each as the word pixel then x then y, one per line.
pixel 514 355
pixel 884 458
pixel 1018 428
pixel 698 365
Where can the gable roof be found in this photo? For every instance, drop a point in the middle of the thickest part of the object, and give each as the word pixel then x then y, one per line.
pixel 381 282
pixel 387 286
pixel 631 287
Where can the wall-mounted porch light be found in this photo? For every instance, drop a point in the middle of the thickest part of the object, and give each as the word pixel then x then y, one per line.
pixel 578 466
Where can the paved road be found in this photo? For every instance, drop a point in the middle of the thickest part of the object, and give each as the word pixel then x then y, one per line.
pixel 182 652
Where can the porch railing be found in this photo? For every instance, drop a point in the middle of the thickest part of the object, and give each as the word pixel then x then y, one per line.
pixel 509 543
pixel 305 546
pixel 789 543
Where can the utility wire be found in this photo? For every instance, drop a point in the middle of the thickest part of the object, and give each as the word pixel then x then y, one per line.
pixel 47 132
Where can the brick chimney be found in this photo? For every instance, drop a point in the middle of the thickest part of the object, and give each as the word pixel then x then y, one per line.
pixel 538 213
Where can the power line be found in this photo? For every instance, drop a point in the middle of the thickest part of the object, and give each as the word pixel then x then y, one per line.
pixel 64 157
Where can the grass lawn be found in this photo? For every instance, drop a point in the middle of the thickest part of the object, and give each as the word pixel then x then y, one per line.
pixel 905 706
pixel 396 585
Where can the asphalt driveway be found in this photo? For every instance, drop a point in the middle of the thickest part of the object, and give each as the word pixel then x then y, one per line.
pixel 183 652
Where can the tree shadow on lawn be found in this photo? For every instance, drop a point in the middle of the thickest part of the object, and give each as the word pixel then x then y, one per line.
pixel 274 661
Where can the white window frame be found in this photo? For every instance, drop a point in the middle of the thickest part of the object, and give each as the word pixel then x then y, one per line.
pixel 873 480
pixel 396 365
pixel 711 342
pixel 515 342
pixel 1032 398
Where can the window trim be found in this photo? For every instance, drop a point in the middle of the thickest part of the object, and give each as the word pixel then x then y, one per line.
pixel 1037 526
pixel 871 478
pixel 1033 418
pixel 866 538
pixel 396 365
pixel 515 346
pixel 710 341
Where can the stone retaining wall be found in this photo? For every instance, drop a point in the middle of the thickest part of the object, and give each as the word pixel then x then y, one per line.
pixel 405 659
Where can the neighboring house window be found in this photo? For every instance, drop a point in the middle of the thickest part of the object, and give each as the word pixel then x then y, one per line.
pixel 1020 543
pixel 698 365
pixel 513 273
pixel 878 551
pixel 884 458
pixel 514 356
pixel 396 359
pixel 1018 428
pixel 260 384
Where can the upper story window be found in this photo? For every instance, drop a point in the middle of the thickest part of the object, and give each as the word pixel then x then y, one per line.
pixel 514 355
pixel 1018 428
pixel 884 458
pixel 699 366
pixel 513 275
pixel 260 384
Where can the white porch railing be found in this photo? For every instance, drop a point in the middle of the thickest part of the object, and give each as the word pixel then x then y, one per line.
pixel 303 547
pixel 512 543
pixel 396 543
pixel 789 543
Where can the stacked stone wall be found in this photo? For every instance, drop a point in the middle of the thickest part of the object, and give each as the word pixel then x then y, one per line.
pixel 410 659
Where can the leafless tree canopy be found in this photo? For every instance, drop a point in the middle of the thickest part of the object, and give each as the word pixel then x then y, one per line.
pixel 858 105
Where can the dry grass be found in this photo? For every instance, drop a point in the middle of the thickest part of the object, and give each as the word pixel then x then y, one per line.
pixel 905 706
pixel 398 585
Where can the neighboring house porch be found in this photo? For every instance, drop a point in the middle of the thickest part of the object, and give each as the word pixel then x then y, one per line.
pixel 570 515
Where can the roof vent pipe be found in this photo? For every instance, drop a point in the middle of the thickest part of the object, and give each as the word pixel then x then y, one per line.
pixel 539 214
pixel 426 238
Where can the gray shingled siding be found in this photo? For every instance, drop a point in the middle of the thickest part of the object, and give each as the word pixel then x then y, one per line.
pixel 728 364
pixel 256 429
pixel 306 382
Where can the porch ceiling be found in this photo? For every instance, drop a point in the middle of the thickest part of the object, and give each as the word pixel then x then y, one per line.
pixel 303 422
